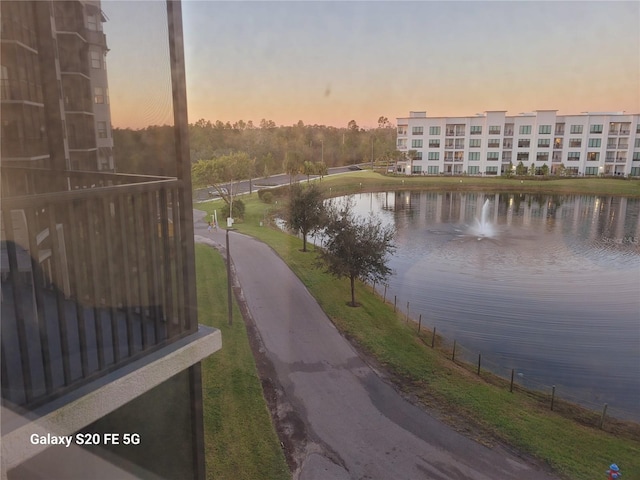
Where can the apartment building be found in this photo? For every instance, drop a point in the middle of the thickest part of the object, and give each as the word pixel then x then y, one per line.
pixel 54 87
pixel 493 143
pixel 100 342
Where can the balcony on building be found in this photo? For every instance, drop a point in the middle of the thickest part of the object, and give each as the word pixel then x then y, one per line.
pixel 99 328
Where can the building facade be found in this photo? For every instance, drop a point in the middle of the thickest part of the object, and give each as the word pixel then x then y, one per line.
pixel 493 143
pixel 100 341
pixel 54 91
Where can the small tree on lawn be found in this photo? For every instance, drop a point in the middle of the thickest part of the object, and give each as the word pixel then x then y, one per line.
pixel 306 210
pixel 356 248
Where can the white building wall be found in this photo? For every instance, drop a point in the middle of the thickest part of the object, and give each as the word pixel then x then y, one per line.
pixel 585 144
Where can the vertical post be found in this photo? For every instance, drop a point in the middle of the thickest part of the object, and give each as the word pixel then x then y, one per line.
pixel 604 413
pixel 407 319
pixel 433 338
pixel 479 362
pixel 395 303
pixel 511 386
pixel 183 163
pixel 553 395
pixel 419 323
pixel 384 298
pixel 453 356
pixel 374 287
pixel 229 302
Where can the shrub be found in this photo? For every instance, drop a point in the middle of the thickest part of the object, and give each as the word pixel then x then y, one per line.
pixel 238 209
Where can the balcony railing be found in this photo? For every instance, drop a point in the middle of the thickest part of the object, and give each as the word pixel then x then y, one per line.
pixel 92 277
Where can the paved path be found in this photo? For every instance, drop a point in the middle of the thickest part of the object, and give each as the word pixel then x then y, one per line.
pixel 357 426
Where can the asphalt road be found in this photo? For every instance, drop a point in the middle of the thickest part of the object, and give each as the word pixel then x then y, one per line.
pixel 356 425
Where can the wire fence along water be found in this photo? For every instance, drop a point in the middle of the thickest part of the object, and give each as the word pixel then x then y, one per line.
pixel 558 397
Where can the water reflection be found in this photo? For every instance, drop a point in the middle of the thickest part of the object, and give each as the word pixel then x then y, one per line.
pixel 554 292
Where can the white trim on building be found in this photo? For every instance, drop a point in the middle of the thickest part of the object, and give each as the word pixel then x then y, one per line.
pixel 589 144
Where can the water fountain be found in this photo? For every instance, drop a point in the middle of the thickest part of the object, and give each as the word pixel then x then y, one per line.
pixel 483 227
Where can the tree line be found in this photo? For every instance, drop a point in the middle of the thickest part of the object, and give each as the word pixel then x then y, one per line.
pixel 271 148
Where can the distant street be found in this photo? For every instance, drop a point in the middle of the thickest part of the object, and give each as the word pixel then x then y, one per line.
pixel 247 186
pixel 355 425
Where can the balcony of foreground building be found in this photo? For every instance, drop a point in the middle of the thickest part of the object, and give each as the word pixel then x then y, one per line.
pixel 98 299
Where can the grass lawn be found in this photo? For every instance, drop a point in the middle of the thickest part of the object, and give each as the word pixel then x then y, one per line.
pixel 240 440
pixel 566 439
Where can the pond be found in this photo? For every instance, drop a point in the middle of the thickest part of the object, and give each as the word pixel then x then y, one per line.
pixel 546 285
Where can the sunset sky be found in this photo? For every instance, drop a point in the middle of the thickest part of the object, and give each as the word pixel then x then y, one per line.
pixel 331 62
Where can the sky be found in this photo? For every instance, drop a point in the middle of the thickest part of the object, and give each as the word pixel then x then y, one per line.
pixel 331 62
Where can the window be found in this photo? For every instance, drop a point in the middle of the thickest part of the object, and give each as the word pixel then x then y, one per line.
pixel 494 130
pixel 473 170
pixel 524 143
pixel 576 129
pixel 416 169
pixel 494 143
pixel 525 129
pixel 450 129
pixel 434 143
pixel 636 156
pixel 637 144
pixel 591 171
pixel 476 130
pixel 459 143
pixel 434 130
pixel 434 156
pixel 508 129
pixel 433 170
pixel 98 95
pixel 573 156
pixel 595 142
pixel 102 129
pixel 507 143
pixel 402 143
pixel 542 157
pixel 92 22
pixel 458 156
pixel 544 129
pixel 448 156
pixel 95 59
pixel 474 156
pixel 544 142
pixel 506 156
pixel 523 157
pixel 557 143
pixel 559 129
pixel 491 170
pixel 638 128
pixel 474 143
pixel 492 156
pixel 593 156
pixel 417 130
pixel 575 142
pixel 416 143
pixel 417 155
pixel 402 129
pixel 596 129
pixel 635 172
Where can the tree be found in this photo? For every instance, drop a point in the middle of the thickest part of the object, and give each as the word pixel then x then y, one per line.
pixel 225 169
pixel 356 248
pixel 532 169
pixel 544 169
pixel 309 168
pixel 521 169
pixel 306 210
